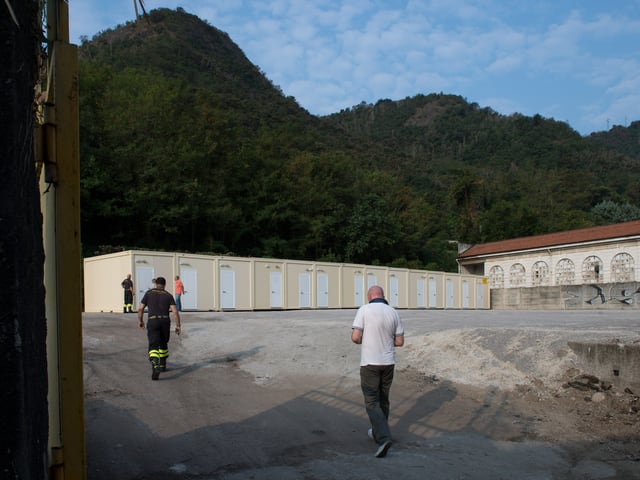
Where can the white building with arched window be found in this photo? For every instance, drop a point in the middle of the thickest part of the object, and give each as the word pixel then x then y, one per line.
pixel 585 268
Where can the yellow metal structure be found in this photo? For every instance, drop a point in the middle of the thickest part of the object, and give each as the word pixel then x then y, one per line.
pixel 60 203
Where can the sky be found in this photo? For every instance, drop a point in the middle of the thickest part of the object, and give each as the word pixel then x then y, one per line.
pixel 574 61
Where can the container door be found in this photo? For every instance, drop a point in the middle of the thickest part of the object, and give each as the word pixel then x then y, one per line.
pixel 227 289
pixel 371 281
pixel 275 282
pixel 433 293
pixel 479 295
pixel 465 294
pixel 449 292
pixel 304 288
pixel 358 284
pixel 144 275
pixel 393 291
pixel 322 290
pixel 420 297
pixel 189 299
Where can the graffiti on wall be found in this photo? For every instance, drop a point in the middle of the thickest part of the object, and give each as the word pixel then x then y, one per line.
pixel 625 294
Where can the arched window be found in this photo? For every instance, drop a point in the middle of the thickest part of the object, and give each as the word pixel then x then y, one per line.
pixel 496 277
pixel 565 272
pixel 540 274
pixel 592 271
pixel 517 275
pixel 623 268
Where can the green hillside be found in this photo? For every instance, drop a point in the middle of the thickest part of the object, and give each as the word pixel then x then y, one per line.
pixel 625 140
pixel 187 146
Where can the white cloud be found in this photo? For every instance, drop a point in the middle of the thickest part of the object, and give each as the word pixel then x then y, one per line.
pixel 507 63
pixel 576 60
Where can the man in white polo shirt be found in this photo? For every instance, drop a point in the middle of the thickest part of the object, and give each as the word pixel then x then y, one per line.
pixel 378 329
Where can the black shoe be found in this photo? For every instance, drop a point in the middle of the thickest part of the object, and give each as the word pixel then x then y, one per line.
pixel 383 449
pixel 155 368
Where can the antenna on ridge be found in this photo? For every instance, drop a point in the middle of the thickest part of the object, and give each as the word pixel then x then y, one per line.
pixel 135 6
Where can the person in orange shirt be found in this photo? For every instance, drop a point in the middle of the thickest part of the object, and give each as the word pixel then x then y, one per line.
pixel 179 291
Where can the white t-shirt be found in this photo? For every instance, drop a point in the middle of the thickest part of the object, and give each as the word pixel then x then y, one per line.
pixel 379 323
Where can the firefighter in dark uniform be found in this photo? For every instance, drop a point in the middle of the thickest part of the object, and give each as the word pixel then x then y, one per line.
pixel 160 303
pixel 127 284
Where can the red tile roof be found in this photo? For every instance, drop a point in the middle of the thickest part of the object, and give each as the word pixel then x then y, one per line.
pixel 582 235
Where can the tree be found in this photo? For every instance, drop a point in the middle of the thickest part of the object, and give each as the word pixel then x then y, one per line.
pixel 607 212
pixel 177 118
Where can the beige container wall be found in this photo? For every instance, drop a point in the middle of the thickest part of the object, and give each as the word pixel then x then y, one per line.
pixel 478 292
pixel 349 275
pixel 397 291
pixel 299 292
pixel 376 276
pixel 452 291
pixel 236 283
pixel 236 290
pixel 268 284
pixel 102 278
pixel 467 291
pixel 486 292
pixel 332 274
pixel 417 289
pixel 149 265
pixel 435 290
pixel 197 273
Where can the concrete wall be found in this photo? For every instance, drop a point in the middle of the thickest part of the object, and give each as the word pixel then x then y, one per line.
pixel 568 297
pixel 615 363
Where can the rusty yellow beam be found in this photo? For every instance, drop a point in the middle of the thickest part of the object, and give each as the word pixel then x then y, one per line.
pixel 60 188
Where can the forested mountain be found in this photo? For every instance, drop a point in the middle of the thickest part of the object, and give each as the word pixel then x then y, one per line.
pixel 187 146
pixel 625 140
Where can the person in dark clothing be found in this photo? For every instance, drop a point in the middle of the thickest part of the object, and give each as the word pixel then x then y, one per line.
pixel 127 284
pixel 159 303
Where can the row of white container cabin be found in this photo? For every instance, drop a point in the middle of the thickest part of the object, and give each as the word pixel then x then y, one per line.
pixel 216 283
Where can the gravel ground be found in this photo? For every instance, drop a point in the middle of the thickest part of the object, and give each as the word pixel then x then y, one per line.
pixel 275 395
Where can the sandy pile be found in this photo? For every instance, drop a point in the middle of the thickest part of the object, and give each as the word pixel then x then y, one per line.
pixel 272 348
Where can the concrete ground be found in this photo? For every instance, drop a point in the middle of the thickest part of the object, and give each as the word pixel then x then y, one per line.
pixel 275 395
